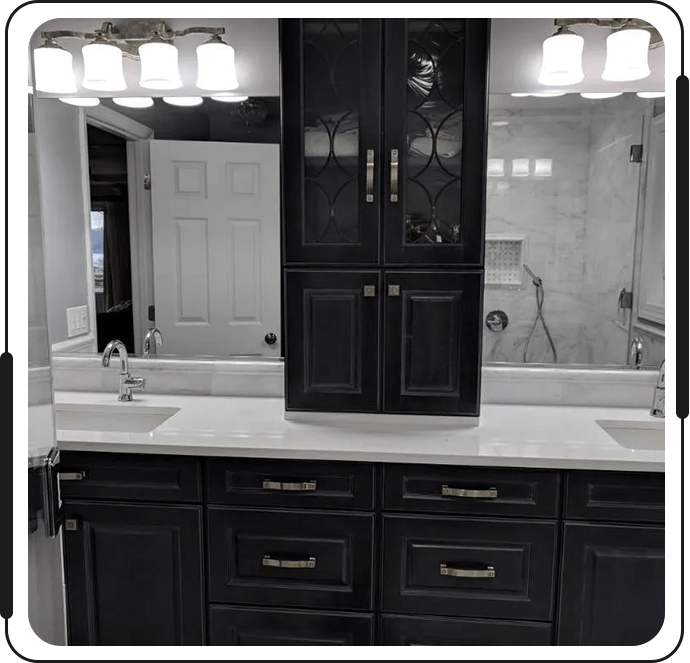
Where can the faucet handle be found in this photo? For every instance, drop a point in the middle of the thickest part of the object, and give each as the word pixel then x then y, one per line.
pixel 135 383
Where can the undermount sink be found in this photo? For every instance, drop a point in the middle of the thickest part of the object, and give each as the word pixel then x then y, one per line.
pixel 636 434
pixel 112 418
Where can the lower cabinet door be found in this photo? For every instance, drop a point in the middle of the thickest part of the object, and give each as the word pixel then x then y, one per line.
pixel 229 625
pixel 134 574
pixel 612 585
pixel 401 630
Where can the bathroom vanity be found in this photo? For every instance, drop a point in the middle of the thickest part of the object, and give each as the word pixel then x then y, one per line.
pixel 209 530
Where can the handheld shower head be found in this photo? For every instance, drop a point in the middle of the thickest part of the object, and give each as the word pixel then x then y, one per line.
pixel 536 280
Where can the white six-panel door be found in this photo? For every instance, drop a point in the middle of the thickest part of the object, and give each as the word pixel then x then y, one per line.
pixel 216 247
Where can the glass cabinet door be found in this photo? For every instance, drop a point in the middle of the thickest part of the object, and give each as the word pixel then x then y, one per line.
pixel 435 128
pixel 331 98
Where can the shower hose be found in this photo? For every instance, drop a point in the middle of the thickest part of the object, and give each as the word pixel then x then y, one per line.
pixel 539 293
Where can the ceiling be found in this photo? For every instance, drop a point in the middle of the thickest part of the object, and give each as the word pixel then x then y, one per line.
pixel 515 56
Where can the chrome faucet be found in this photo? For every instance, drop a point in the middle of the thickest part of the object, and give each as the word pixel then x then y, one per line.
pixel 152 334
pixel 128 383
pixel 659 404
pixel 636 353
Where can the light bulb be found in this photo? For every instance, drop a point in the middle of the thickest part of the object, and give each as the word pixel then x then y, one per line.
pixel 216 65
pixel 562 59
pixel 80 101
pixel 159 66
pixel 230 98
pixel 600 95
pixel 183 101
pixel 627 55
pixel 134 102
pixel 103 66
pixel 53 69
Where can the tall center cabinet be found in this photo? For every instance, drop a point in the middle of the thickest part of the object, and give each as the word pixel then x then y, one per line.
pixel 384 153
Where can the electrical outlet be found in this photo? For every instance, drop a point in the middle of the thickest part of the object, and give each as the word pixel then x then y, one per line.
pixel 77 321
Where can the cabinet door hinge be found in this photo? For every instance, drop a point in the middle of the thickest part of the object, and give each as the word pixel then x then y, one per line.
pixel 147 181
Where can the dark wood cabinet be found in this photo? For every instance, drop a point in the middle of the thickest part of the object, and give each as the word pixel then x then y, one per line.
pixel 134 574
pixel 612 584
pixel 332 335
pixel 432 342
pixel 239 626
pixel 383 161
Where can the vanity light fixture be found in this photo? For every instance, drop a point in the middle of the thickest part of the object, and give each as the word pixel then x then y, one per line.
pixel 520 168
pixel 562 58
pixel 53 69
pixel 183 101
pixel 80 101
pixel 495 168
pixel 103 66
pixel 600 95
pixel 520 94
pixel 134 102
pixel 216 65
pixel 627 55
pixel 230 98
pixel 499 123
pixel 651 95
pixel 549 93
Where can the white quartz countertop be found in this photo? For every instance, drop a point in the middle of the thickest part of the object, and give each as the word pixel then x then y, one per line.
pixel 507 435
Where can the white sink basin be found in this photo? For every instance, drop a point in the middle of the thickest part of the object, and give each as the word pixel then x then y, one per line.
pixel 123 418
pixel 636 434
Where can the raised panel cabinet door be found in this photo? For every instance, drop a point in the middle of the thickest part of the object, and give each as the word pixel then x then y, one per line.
pixel 133 574
pixel 432 342
pixel 332 331
pixel 612 585
pixel 331 82
pixel 235 626
pixel 435 140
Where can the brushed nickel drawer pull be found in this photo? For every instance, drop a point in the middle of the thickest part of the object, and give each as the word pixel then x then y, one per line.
pixel 488 572
pixel 447 491
pixel 283 485
pixel 71 476
pixel 370 176
pixel 309 563
pixel 394 176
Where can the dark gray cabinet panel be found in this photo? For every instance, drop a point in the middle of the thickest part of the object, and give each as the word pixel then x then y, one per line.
pixel 236 626
pixel 290 558
pixel 612 585
pixel 332 332
pixel 432 342
pixel 615 496
pixel 290 483
pixel 401 630
pixel 138 477
pixel 134 574
pixel 519 552
pixel 481 491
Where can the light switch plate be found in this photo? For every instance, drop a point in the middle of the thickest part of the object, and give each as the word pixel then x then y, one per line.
pixel 77 321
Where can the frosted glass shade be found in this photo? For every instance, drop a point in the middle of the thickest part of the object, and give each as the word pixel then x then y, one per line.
pixel 216 66
pixel 183 101
pixel 230 98
pixel 520 168
pixel 627 55
pixel 53 69
pixel 562 59
pixel 81 101
pixel 103 67
pixel 651 95
pixel 600 95
pixel 159 66
pixel 134 102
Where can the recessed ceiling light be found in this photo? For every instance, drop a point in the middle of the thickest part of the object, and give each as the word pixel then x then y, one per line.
pixel 600 95
pixel 134 102
pixel 183 101
pixel 651 95
pixel 548 93
pixel 229 98
pixel 80 101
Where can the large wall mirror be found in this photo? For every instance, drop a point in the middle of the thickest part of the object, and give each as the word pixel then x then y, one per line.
pixel 168 216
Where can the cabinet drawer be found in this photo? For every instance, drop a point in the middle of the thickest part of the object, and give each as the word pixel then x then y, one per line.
pixel 231 626
pixel 401 630
pixel 471 490
pixel 290 558
pixel 139 477
pixel 287 483
pixel 616 496
pixel 468 567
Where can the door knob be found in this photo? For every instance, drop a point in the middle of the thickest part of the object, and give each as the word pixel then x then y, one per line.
pixel 270 338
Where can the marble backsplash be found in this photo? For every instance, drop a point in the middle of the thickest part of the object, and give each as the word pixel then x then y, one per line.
pixel 576 206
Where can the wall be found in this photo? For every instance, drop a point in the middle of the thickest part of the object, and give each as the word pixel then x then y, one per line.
pixel 58 128
pixel 579 223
